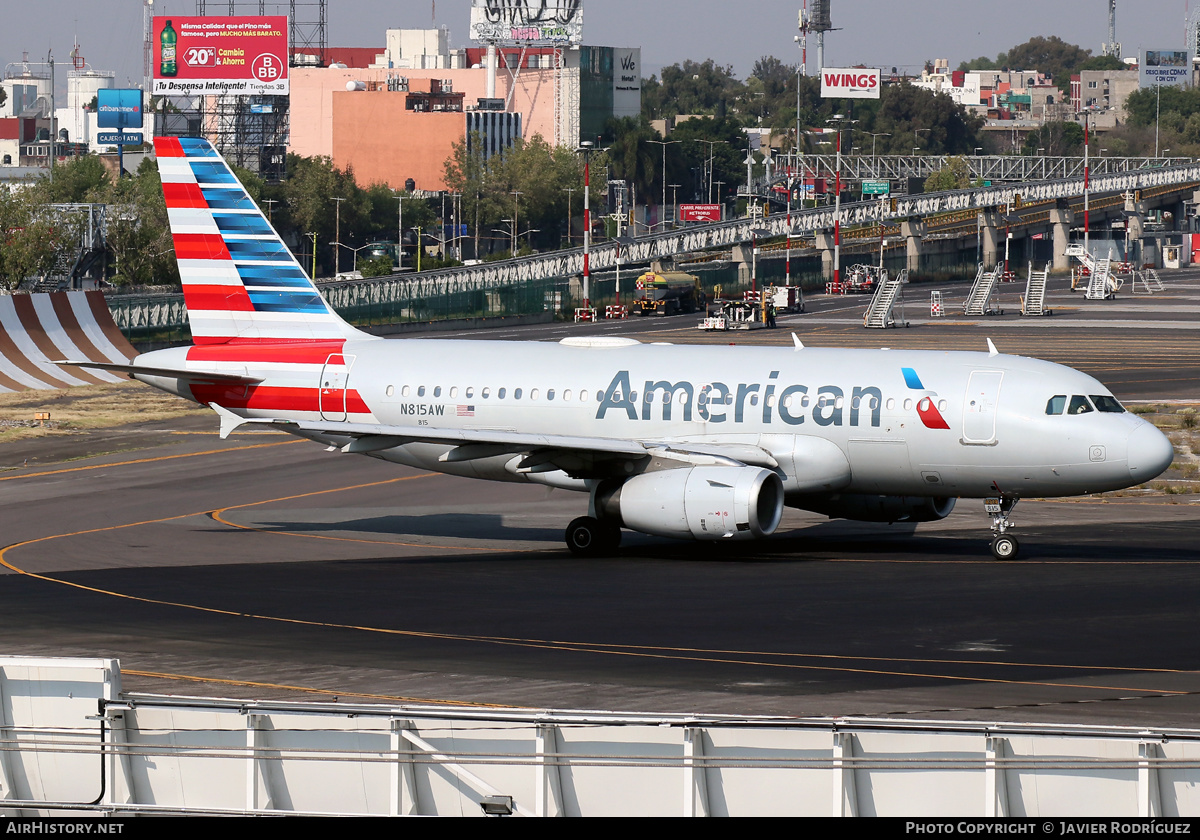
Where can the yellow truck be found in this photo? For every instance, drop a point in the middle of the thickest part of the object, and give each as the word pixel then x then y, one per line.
pixel 668 293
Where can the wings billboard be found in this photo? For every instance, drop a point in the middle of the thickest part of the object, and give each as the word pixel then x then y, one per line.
pixel 213 55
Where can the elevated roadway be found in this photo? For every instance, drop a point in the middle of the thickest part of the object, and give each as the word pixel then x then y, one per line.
pixel 1176 180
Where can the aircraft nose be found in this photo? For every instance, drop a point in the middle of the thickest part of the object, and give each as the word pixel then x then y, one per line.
pixel 1150 453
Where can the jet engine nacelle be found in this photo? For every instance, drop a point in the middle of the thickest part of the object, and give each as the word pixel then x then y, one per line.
pixel 703 503
pixel 867 508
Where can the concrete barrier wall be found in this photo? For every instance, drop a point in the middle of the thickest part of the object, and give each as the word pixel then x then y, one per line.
pixel 37 330
pixel 74 742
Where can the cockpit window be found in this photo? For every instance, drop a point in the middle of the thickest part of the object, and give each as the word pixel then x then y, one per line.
pixel 1106 403
pixel 1056 404
pixel 1079 405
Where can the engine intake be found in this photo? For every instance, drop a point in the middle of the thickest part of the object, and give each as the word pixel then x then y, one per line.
pixel 703 503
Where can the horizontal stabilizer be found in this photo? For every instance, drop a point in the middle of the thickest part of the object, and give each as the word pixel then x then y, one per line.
pixel 174 373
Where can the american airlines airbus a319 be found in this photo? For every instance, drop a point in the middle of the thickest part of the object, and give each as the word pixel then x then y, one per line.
pixel 706 443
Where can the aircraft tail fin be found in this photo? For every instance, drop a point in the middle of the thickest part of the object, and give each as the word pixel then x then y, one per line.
pixel 241 284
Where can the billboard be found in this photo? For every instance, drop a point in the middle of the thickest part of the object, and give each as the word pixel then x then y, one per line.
pixel 1170 68
pixel 116 108
pixel 699 212
pixel 850 83
pixel 527 21
pixel 627 82
pixel 214 55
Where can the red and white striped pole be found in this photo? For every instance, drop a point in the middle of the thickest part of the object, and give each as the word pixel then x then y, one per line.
pixel 837 214
pixel 587 222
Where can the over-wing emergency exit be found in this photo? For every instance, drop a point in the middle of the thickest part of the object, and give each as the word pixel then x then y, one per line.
pixel 706 443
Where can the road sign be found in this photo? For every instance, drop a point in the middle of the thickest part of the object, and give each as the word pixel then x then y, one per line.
pixel 700 212
pixel 876 187
pixel 119 138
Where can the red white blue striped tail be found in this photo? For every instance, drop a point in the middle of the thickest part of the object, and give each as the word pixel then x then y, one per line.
pixel 241 284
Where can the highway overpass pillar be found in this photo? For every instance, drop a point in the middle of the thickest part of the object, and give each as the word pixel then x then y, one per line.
pixel 824 244
pixel 914 232
pixel 992 235
pixel 743 254
pixel 1061 218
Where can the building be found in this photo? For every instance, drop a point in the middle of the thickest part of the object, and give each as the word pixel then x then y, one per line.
pixel 384 118
pixel 1104 92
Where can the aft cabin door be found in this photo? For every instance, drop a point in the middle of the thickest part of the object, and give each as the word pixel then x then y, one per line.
pixel 979 407
pixel 333 387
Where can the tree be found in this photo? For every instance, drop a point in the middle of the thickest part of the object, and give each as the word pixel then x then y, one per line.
pixel 1052 56
pixel 719 142
pixel 1102 62
pixel 955 175
pixel 696 88
pixel 1055 139
pixel 908 113
pixel 985 63
pixel 139 234
pixel 631 157
pixel 308 193
pixel 81 179
pixel 29 237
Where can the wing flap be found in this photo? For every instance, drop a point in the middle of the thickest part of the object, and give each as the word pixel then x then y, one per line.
pixel 542 452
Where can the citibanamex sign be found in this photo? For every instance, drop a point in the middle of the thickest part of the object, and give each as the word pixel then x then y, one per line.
pixel 850 83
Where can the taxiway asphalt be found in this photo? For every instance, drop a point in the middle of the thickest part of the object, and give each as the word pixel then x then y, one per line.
pixel 263 566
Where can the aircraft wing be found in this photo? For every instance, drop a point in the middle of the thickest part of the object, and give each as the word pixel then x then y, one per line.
pixel 570 453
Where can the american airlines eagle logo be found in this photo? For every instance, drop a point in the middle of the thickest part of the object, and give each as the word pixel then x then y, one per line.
pixel 926 410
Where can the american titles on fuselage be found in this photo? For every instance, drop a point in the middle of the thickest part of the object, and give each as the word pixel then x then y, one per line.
pixel 717 402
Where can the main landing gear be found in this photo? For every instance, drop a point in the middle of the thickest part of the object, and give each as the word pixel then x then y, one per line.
pixel 1004 547
pixel 591 537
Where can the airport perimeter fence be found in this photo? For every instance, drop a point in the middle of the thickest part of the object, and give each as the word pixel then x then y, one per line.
pixel 161 320
pixel 150 321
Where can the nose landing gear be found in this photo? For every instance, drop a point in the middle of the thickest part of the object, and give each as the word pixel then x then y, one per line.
pixel 1004 547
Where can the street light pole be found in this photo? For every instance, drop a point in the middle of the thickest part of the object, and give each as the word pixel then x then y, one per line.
pixel 399 231
pixel 873 138
pixel 1087 227
pixel 664 144
pixel 568 191
pixel 516 219
pixel 838 121
pixel 338 236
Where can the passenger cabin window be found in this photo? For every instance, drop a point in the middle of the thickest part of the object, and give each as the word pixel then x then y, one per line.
pixel 1108 404
pixel 516 393
pixel 486 393
pixel 1079 405
pixel 1056 404
pixel 421 391
pixel 500 394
